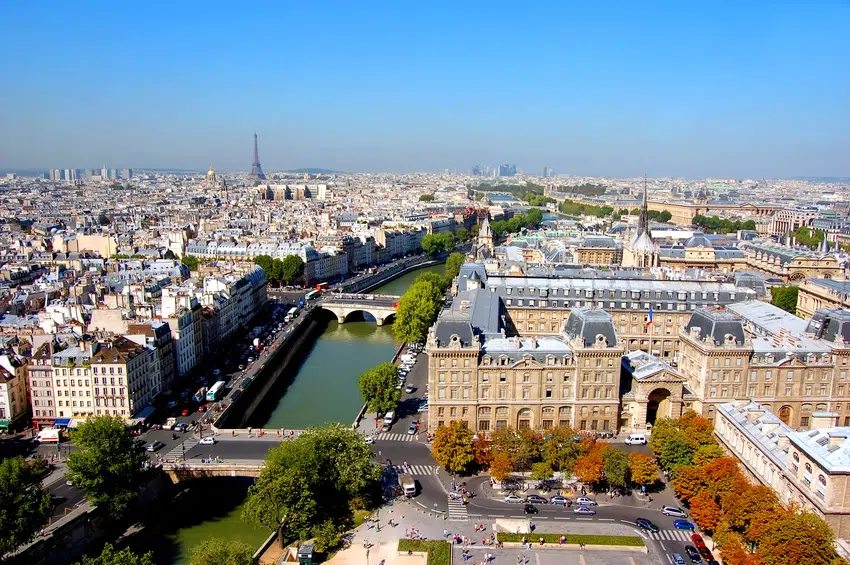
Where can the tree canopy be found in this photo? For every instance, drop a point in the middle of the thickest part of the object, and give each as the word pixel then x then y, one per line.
pixel 436 243
pixel 286 271
pixel 106 465
pixel 322 475
pixel 24 505
pixel 426 198
pixel 453 265
pixel 110 556
pixel 713 224
pixel 218 551
pixel 418 308
pixel 531 220
pixel 452 447
pixel 190 261
pixel 785 297
pixel 377 387
pixel 462 234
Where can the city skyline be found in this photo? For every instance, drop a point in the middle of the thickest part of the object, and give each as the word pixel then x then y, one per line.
pixel 748 92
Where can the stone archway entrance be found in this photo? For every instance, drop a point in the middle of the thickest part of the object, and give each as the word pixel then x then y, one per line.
pixel 524 418
pixel 785 414
pixel 658 405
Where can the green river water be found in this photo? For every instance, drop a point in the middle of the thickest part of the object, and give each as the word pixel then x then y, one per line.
pixel 324 389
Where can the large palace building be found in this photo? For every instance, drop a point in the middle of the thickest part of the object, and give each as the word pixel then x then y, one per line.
pixel 615 353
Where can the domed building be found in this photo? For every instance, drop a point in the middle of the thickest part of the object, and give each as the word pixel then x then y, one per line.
pixel 698 252
pixel 210 181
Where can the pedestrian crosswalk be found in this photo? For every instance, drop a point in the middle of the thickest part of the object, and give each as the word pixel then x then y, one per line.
pixel 416 470
pixel 457 511
pixel 180 450
pixel 394 437
pixel 671 535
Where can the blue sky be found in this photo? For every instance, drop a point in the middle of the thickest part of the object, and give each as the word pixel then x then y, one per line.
pixel 694 89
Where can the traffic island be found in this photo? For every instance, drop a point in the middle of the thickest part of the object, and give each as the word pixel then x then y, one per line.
pixel 574 541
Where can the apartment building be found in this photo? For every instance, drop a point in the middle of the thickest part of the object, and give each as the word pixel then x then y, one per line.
pixel 13 390
pixel 814 294
pixel 40 376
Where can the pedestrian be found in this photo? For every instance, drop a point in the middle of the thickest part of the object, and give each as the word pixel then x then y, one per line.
pixel 541 540
pixel 445 533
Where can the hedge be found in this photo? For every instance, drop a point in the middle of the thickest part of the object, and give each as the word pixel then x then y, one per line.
pixel 439 552
pixel 586 539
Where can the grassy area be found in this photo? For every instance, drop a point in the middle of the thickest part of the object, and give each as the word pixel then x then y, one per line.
pixel 360 516
pixel 439 552
pixel 573 538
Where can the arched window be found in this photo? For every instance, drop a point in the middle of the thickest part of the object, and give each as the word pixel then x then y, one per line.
pixel 822 480
pixel 796 457
pixel 808 468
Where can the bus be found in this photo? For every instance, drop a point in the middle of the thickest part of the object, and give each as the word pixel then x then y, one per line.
pixel 313 294
pixel 323 286
pixel 215 391
pixel 292 312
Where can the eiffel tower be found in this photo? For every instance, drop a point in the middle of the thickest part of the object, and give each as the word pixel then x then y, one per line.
pixel 256 168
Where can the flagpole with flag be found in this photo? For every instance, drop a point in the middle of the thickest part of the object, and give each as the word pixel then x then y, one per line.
pixel 649 319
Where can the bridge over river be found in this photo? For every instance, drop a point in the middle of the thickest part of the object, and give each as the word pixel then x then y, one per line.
pixel 382 307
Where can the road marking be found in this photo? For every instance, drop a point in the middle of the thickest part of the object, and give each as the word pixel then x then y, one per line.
pixel 627 522
pixel 606 519
pixel 475 515
pixel 560 518
pixel 639 533
pixel 632 560
pixel 662 546
pixel 581 559
pixel 420 504
pixel 496 515
pixel 585 519
pixel 517 516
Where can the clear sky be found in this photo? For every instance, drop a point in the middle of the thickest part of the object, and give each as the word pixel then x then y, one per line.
pixel 688 88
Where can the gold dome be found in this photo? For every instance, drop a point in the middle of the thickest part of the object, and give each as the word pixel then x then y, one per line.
pixel 211 172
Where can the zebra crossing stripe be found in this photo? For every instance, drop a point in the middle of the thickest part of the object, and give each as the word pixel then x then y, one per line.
pixel 416 469
pixel 395 437
pixel 671 535
pixel 457 511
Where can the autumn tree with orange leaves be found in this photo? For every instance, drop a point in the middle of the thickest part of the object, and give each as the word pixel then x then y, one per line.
pixel 500 466
pixel 705 511
pixel 644 471
pixel 589 467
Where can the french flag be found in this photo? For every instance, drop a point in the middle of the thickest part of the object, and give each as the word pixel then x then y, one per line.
pixel 649 319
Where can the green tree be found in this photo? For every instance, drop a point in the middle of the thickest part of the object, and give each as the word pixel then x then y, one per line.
pixel 707 453
pixel 321 475
pixel 541 471
pixel 462 234
pixel 676 453
pixel 377 387
pixel 265 263
pixel 432 244
pixel 560 450
pixel 418 309
pixel 616 467
pixel 327 535
pixel 109 556
pixel 785 297
pixel 106 465
pixel 291 269
pixel 218 551
pixel 662 431
pixel 426 198
pixel 523 446
pixel 452 447
pixel 24 505
pixel 453 265
pixel 190 261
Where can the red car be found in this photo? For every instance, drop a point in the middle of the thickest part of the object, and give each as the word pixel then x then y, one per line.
pixel 202 408
pixel 697 539
pixel 184 413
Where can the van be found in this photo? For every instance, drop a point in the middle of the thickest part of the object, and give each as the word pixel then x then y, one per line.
pixel 389 418
pixel 677 559
pixel 636 439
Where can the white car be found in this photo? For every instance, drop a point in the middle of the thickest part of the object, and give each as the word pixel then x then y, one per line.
pixel 674 511
pixel 584 501
pixel 369 440
pixel 209 440
pixel 514 499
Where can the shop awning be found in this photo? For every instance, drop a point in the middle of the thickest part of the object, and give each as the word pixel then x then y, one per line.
pixel 4 424
pixel 143 415
pixel 61 422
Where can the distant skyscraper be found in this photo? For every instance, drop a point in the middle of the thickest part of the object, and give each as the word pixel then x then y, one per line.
pixel 507 170
pixel 104 173
pixel 126 174
pixel 256 168
pixel 546 172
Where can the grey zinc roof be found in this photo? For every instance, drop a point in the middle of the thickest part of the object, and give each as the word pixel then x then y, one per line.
pixel 830 324
pixel 815 444
pixel 446 328
pixel 765 430
pixel 517 348
pixel 718 324
pixel 588 324
pixel 642 365
pixel 841 287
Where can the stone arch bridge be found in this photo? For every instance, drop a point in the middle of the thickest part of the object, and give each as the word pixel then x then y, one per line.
pixel 380 306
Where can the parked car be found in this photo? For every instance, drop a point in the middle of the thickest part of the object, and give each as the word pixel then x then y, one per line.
pixel 558 499
pixel 411 430
pixel 513 498
pixel 647 525
pixel 706 554
pixel 209 440
pixel 369 440
pixel 409 389
pixel 584 510
pixel 530 509
pixel 683 525
pixel 537 499
pixel 673 511
pixel 697 539
pixel 155 446
pixel 584 501
pixel 693 554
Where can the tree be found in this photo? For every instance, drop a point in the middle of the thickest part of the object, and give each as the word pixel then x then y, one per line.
pixel 688 483
pixel 706 454
pixel 190 261
pixel 462 234
pixel 589 467
pixel 107 465
pixel 377 387
pixel 432 244
pixel 521 446
pixel 24 505
pixel 616 467
pixel 500 467
pixel 453 264
pixel 481 452
pixel 452 447
pixel 541 471
pixel 785 297
pixel 218 551
pixel 561 450
pixel 327 535
pixel 644 472
pixel 676 453
pixel 291 269
pixel 109 556
pixel 797 539
pixel 321 475
pixel 742 506
pixel 418 309
pixel 662 431
pixel 698 431
pixel 705 511
pixel 426 198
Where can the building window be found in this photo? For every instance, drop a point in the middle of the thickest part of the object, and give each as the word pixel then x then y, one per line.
pixel 804 423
